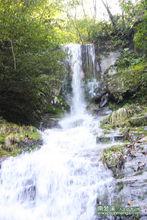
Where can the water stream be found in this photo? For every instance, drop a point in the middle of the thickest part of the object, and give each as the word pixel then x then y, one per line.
pixel 65 178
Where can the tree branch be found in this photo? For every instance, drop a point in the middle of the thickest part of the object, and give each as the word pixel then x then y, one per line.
pixel 110 14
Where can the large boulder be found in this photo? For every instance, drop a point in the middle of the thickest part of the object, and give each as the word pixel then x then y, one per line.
pixel 123 84
pixel 127 82
pixel 122 116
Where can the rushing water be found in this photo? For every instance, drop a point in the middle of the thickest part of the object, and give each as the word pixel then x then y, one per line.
pixel 89 60
pixel 63 179
pixel 78 104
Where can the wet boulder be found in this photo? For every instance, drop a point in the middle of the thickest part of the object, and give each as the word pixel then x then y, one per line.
pixel 114 158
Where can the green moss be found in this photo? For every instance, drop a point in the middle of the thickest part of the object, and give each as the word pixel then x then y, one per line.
pixel 126 116
pixel 139 130
pixel 5 153
pixel 120 117
pixel 14 138
pixel 140 120
pixel 106 127
pixel 124 82
pixel 30 132
pixel 130 81
pixel 2 139
pixel 140 67
pixel 113 157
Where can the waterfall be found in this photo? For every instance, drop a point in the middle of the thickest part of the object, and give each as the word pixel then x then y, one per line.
pixel 91 50
pixel 75 60
pixel 90 69
pixel 89 60
pixel 63 179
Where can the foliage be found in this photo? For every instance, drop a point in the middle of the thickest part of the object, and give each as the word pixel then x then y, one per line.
pixel 130 81
pixel 128 58
pixel 85 30
pixel 131 12
pixel 124 84
pixel 31 69
pixel 108 35
pixel 140 37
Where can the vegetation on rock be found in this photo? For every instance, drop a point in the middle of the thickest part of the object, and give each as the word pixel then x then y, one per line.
pixel 15 139
pixel 123 116
pixel 113 157
pixel 130 79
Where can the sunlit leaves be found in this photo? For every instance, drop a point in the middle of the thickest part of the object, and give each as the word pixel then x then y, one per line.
pixel 29 48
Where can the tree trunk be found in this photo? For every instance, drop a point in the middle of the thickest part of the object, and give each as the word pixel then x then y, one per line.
pixel 110 14
pixel 95 9
pixel 84 12
pixel 13 54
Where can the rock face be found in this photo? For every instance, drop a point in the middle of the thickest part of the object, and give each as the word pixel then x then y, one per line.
pixel 128 161
pixel 94 67
pixel 127 116
pixel 127 158
pixel 129 166
pixel 89 61
pixel 133 183
pixel 109 138
pixel 108 61
pixel 123 84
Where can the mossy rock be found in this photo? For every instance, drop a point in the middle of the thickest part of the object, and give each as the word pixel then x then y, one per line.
pixel 137 121
pixel 15 139
pixel 128 82
pixel 123 83
pixel 120 117
pixel 113 157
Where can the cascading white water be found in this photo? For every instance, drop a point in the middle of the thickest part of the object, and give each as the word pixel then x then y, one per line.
pixel 93 84
pixel 91 52
pixel 62 180
pixel 78 104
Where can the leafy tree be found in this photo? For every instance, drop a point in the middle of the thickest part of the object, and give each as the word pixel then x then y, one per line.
pixel 31 67
pixel 140 37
